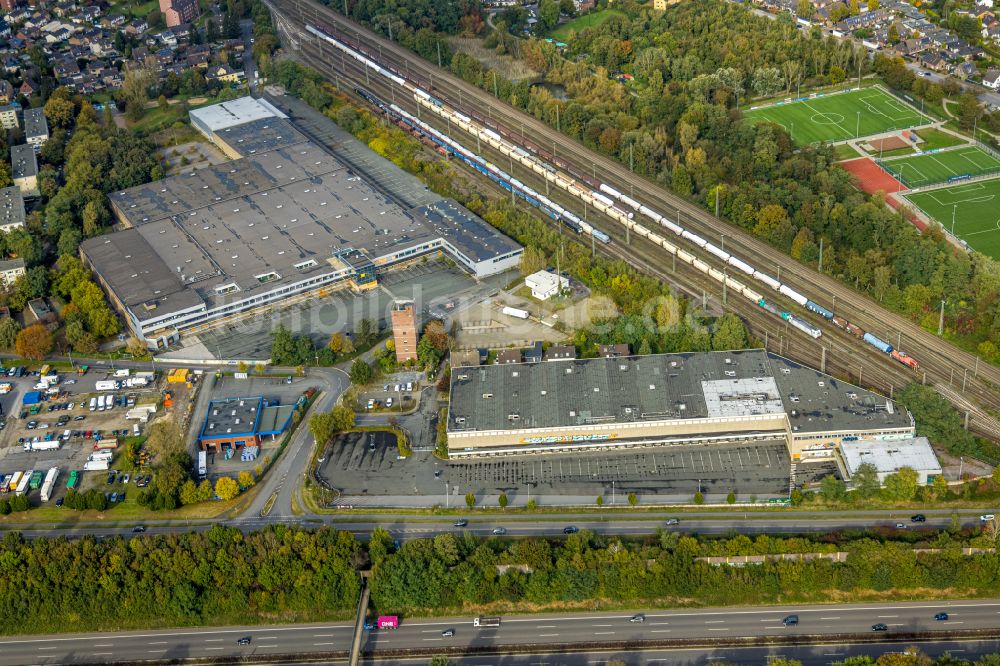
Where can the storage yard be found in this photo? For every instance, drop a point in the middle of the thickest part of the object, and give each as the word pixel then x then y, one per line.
pixel 68 435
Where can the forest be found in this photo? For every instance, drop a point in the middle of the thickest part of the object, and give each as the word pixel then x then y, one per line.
pixel 678 122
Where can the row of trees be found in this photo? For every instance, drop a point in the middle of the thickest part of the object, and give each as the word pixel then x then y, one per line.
pixel 294 350
pixel 218 577
pixel 451 572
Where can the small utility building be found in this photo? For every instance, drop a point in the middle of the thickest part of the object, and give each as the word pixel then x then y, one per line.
pixel 238 422
pixel 544 284
pixel 888 457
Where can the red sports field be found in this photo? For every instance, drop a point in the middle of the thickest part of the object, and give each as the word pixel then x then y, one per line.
pixel 871 179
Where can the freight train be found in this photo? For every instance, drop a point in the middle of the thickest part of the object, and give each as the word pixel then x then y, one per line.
pixel 603 197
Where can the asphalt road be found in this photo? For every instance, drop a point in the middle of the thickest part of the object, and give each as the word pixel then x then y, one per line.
pixel 543 630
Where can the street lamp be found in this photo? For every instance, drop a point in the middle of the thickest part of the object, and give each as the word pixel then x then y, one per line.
pixel 857 127
pixel 954 207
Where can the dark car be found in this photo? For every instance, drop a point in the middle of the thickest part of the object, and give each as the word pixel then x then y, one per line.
pixel 941 617
pixel 879 627
pixel 571 529
pixel 139 529
pixel 111 478
pixel 243 641
pixel 59 502
pixel 919 518
pixel 79 417
pixel 791 620
pixel 461 522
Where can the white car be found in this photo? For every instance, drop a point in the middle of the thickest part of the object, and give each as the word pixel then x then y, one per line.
pixel 987 517
pixel 388 402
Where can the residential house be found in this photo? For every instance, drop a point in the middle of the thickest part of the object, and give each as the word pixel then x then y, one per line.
pixel 991 79
pixel 36 128
pixel 6 92
pixel 24 169
pixel 28 88
pixel 934 61
pixel 222 74
pixel 505 356
pixel 614 351
pixel 8 116
pixel 11 209
pixel 966 70
pixel 560 353
pixel 10 271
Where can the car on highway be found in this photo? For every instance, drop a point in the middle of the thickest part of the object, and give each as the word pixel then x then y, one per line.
pixel 673 521
pixel 878 626
pixel 448 633
pixel 638 617
pixel 941 617
pixel 985 518
pixel 790 621
pixel 900 526
pixel 243 641
pixel 499 531
pixel 918 518
pixel 138 529
pixel 570 529
pixel 461 522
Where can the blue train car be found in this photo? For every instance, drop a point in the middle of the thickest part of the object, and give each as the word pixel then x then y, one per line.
pixel 819 309
pixel 877 343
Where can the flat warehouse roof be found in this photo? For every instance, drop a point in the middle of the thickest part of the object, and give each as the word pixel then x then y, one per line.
pixel 234 112
pixel 258 136
pixel 661 387
pixel 235 416
pixel 888 456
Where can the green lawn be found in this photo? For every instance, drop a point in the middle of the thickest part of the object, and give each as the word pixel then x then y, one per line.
pixel 840 116
pixel 939 167
pixel 845 151
pixel 934 138
pixel 590 20
pixel 976 210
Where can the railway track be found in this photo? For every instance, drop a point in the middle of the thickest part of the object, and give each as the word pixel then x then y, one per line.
pixel 962 384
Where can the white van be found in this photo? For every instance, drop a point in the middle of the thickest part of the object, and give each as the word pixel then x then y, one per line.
pixel 93 404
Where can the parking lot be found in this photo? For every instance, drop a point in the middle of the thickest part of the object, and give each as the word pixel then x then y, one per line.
pixel 63 430
pixel 431 284
pixel 761 469
pixel 397 393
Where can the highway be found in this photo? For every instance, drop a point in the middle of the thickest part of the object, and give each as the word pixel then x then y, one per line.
pixel 405 526
pixel 946 366
pixel 531 634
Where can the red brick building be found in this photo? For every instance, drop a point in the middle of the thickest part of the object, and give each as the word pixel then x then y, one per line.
pixel 178 12
pixel 404 330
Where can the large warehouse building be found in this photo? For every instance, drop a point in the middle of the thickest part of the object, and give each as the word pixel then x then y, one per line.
pixel 283 222
pixel 724 397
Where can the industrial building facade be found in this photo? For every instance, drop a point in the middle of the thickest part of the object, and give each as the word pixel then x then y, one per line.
pixel 240 422
pixel 283 222
pixel 662 399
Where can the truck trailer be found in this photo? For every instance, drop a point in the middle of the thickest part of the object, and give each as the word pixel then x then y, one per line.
pixel 42 446
pixel 106 385
pixel 22 484
pixel 97 465
pixel 49 484
pixel 202 464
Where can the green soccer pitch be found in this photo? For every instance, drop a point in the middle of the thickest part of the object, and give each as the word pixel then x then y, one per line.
pixel 976 208
pixel 931 168
pixel 841 116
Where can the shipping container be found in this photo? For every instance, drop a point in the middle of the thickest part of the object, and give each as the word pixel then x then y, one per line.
pixel 74 480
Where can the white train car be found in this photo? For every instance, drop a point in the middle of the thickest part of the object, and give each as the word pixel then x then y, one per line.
pixel 792 294
pixel 766 279
pixel 717 251
pixel 685 256
pixel 741 265
pixel 701 266
pixel 694 238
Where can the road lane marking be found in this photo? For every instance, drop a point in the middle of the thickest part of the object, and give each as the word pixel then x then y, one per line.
pixel 546 626
pixel 830 618
pixel 318 644
pixel 722 621
pixel 267 646
pixel 603 633
pixel 886 616
pixel 719 629
pixel 268 638
pixel 158 643
pixel 781 627
pixel 47 648
pixel 214 640
pixel 602 625
pixel 660 631
pixel 101 654
pixel 322 635
pixel 546 635
pixel 428 631
pixel 432 639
